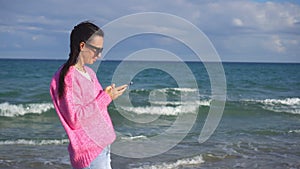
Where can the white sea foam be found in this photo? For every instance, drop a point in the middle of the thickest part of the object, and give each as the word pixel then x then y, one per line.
pixel 12 110
pixel 34 142
pixel 174 89
pixel 193 161
pixel 189 96
pixel 177 103
pixel 173 108
pixel 133 137
pixel 294 131
pixel 163 110
pixel 287 105
pixel 287 101
pixel 179 89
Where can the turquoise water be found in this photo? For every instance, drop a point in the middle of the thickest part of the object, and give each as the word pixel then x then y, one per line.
pixel 260 126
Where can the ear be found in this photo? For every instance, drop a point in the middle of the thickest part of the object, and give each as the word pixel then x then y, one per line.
pixel 81 45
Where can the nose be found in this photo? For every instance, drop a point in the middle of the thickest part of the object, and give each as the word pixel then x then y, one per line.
pixel 99 55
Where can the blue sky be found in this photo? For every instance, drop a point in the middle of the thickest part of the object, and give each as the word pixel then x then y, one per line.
pixel 241 30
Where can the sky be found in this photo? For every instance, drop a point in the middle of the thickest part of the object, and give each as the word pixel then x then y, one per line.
pixel 240 30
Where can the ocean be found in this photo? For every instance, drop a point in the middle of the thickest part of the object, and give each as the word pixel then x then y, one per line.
pixel 259 128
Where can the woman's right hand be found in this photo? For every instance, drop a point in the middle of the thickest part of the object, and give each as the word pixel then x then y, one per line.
pixel 115 92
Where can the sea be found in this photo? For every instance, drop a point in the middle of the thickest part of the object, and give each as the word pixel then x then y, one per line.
pixel 259 125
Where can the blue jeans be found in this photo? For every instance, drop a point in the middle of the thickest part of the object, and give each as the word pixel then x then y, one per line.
pixel 102 161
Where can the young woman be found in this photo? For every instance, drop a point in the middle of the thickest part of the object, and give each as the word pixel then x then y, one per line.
pixel 81 103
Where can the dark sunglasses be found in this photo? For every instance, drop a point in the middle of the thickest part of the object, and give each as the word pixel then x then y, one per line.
pixel 97 50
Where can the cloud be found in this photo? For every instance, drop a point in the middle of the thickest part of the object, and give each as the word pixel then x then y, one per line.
pixel 237 22
pixel 256 30
pixel 265 17
pixel 278 44
pixel 240 30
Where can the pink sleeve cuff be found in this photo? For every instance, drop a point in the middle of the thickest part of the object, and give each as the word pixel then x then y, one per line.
pixel 103 98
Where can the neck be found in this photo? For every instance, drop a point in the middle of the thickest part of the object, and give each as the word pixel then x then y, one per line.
pixel 79 66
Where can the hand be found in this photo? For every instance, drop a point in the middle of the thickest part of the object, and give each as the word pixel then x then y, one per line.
pixel 115 92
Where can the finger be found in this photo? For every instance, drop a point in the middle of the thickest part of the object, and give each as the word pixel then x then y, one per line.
pixel 122 87
pixel 121 91
pixel 108 88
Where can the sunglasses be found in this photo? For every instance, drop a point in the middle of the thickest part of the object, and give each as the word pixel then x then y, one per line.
pixel 97 50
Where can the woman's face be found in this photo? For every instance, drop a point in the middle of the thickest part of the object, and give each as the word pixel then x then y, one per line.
pixel 92 49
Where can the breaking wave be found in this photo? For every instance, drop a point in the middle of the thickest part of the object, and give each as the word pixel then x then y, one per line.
pixel 196 160
pixel 12 110
pixel 34 142
pixel 288 105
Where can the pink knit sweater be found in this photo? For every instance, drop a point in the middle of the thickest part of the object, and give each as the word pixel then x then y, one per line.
pixel 83 113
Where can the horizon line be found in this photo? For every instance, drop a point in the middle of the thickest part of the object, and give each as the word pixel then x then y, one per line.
pixel 115 60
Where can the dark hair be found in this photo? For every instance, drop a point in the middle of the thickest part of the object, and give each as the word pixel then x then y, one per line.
pixel 80 33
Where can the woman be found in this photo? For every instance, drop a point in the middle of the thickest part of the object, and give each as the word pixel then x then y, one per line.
pixel 81 103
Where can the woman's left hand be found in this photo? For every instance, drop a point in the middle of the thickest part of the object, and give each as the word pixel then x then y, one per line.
pixel 115 92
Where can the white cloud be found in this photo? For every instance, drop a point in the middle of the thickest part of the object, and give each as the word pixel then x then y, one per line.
pixel 260 16
pixel 278 44
pixel 237 22
pixel 253 29
pixel 244 28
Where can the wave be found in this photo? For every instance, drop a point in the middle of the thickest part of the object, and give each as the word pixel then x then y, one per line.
pixel 12 110
pixel 163 110
pixel 287 101
pixel 179 89
pixel 170 108
pixel 177 103
pixel 133 137
pixel 192 161
pixel 34 142
pixel 169 89
pixel 192 92
pixel 294 131
pixel 288 105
